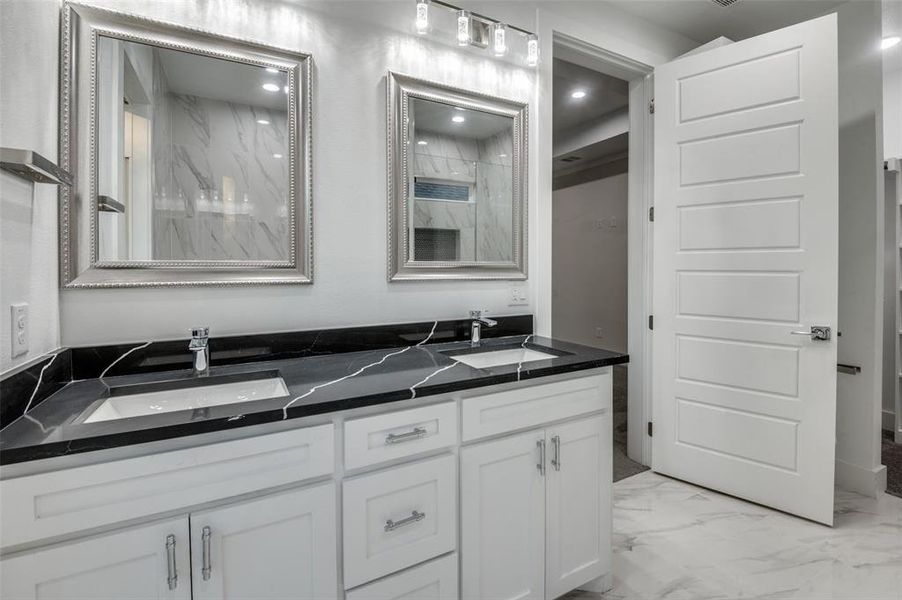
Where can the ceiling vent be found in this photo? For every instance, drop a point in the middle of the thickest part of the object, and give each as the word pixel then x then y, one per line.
pixel 725 3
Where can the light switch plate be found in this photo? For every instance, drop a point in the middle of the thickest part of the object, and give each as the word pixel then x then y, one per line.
pixel 517 295
pixel 19 328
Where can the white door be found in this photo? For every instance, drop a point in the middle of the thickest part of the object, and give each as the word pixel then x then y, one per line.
pixel 502 517
pixel 578 492
pixel 142 563
pixel 280 546
pixel 746 255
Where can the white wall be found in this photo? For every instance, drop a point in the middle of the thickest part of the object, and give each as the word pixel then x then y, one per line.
pixel 590 263
pixel 28 233
pixel 892 116
pixel 861 205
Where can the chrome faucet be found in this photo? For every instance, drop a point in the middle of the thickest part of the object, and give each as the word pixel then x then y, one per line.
pixel 476 326
pixel 200 346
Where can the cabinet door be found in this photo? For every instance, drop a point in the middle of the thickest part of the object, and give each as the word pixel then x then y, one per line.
pixel 578 522
pixel 279 546
pixel 142 563
pixel 503 518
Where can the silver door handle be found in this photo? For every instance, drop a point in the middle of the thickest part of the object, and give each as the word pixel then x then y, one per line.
pixel 556 448
pixel 172 576
pixel 416 433
pixel 415 516
pixel 541 464
pixel 206 568
pixel 817 333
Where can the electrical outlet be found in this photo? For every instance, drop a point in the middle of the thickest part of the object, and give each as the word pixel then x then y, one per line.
pixel 19 328
pixel 598 332
pixel 517 295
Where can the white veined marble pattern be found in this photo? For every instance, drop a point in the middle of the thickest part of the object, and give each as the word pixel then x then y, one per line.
pixel 675 540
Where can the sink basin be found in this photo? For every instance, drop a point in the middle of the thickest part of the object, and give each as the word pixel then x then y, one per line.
pixel 497 358
pixel 202 392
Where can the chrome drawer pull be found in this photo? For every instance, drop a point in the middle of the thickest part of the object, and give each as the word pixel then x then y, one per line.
pixel 556 457
pixel 541 464
pixel 413 518
pixel 172 576
pixel 415 434
pixel 207 568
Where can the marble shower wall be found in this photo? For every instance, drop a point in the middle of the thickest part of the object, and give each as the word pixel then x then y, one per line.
pixel 220 179
pixel 485 223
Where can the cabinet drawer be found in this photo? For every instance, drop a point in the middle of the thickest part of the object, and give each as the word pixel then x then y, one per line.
pixel 435 580
pixel 398 517
pixel 70 500
pixel 395 435
pixel 535 405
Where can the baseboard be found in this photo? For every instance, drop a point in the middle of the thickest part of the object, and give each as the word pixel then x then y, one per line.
pixel 889 420
pixel 600 585
pixel 870 482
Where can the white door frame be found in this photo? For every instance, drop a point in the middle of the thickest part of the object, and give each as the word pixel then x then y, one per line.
pixel 639 233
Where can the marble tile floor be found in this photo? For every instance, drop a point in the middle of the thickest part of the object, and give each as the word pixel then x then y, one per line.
pixel 675 540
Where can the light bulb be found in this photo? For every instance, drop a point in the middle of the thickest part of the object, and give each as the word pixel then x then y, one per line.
pixel 422 16
pixel 499 39
pixel 889 42
pixel 463 28
pixel 532 51
pixel 271 87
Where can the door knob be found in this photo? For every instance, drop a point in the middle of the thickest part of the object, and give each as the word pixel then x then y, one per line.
pixel 816 333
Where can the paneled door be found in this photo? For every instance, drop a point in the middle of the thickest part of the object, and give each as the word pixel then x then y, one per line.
pixel 149 562
pixel 578 493
pixel 746 268
pixel 277 547
pixel 502 516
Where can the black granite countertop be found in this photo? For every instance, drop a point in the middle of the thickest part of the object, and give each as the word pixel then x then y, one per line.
pixel 316 385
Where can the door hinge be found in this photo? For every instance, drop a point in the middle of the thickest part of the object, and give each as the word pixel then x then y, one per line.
pixel 651 322
pixel 651 106
pixel 651 214
pixel 651 432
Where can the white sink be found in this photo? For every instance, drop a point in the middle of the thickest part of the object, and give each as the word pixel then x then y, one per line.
pixel 188 398
pixel 496 358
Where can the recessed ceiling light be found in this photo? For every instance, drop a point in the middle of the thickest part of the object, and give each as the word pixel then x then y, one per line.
pixel 277 156
pixel 262 121
pixel 271 70
pixel 458 119
pixel 271 87
pixel 422 142
pixel 889 42
pixel 578 94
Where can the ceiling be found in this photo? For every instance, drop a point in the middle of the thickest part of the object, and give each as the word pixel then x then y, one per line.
pixel 703 21
pixel 437 118
pixel 604 95
pixel 218 79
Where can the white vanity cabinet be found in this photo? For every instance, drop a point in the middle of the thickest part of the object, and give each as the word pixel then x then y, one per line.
pixel 149 562
pixel 536 511
pixel 277 547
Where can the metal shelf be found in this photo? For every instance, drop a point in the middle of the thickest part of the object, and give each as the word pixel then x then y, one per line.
pixel 30 165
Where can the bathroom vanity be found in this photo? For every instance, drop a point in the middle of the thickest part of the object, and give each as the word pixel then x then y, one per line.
pixel 382 474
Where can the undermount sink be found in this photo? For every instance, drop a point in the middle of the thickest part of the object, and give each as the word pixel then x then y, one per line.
pixel 496 358
pixel 189 394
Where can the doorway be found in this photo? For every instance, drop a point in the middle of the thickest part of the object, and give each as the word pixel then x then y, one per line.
pixel 594 195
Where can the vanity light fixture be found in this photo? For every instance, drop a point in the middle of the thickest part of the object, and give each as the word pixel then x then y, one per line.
pixel 422 17
pixel 463 28
pixel 271 87
pixel 499 39
pixel 458 119
pixel 474 29
pixel 577 94
pixel 889 42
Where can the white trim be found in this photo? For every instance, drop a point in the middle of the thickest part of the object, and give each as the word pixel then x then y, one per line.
pixel 639 233
pixel 888 423
pixel 870 482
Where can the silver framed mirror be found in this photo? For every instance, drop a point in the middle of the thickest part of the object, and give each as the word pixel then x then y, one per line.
pixel 457 183
pixel 191 153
